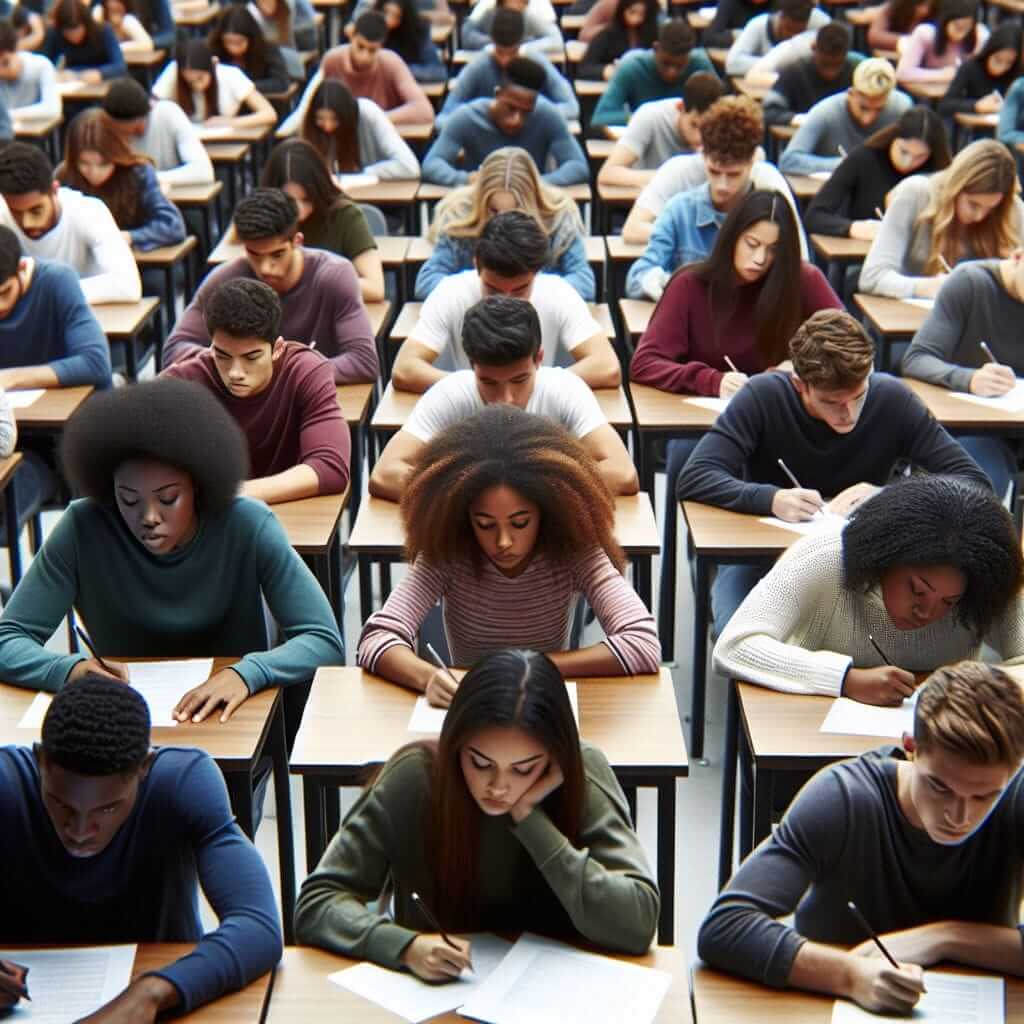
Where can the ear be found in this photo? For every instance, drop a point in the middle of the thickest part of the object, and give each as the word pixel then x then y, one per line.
pixel 54 187
pixel 909 746
pixel 540 356
pixel 299 239
pixel 277 350
pixel 147 763
pixel 801 387
pixel 39 754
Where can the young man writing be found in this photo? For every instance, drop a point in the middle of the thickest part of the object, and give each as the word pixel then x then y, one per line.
pixel 515 116
pixel 923 838
pixel 28 81
pixel 540 25
pixel 501 338
pixel 764 32
pixel 319 291
pixel 106 841
pixel 281 393
pixel 510 254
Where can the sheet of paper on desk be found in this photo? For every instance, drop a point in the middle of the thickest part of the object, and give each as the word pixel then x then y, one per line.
pixel 35 712
pixel 24 398
pixel 546 982
pixel 357 180
pixel 950 999
pixel 426 718
pixel 714 404
pixel 415 1000
pixel 920 303
pixel 851 718
pixel 164 683
pixel 69 984
pixel 820 175
pixel 73 85
pixel 1012 401
pixel 823 522
pixel 215 131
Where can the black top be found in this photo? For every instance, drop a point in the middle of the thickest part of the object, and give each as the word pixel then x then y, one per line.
pixel 799 87
pixel 729 16
pixel 275 73
pixel 858 185
pixel 609 45
pixel 970 83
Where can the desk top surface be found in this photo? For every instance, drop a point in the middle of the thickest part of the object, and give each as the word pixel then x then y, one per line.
pixel 832 247
pixel 958 413
pixel 53 408
pixel 354 400
pixel 665 410
pixel 891 316
pixel 717 531
pixel 311 523
pixel 123 319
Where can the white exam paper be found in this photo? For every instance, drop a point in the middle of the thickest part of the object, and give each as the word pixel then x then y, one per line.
pixel 24 398
pixel 164 683
pixel 36 712
pixel 415 1000
pixel 820 175
pixel 426 718
pixel 347 181
pixel 920 303
pixel 215 131
pixel 1012 401
pixel 851 718
pixel 72 85
pixel 950 999
pixel 824 522
pixel 714 404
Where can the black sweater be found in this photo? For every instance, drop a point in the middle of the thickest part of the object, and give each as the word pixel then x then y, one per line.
pixel 731 15
pixel 608 46
pixel 858 185
pixel 799 87
pixel 971 82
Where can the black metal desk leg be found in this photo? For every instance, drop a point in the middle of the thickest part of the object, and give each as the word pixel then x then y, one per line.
pixel 700 657
pixel 13 533
pixel 277 747
pixel 240 791
pixel 667 860
pixel 316 830
pixel 728 810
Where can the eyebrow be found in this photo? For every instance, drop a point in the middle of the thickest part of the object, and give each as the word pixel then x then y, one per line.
pixel 525 760
pixel 487 515
pixel 224 352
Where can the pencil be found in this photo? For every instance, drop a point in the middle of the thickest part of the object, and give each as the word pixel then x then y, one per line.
pixel 879 214
pixel 842 151
pixel 871 932
pixel 881 653
pixel 434 923
pixel 730 364
pixel 92 650
pixel 439 661
pixel 945 264
pixel 793 479
pixel 984 348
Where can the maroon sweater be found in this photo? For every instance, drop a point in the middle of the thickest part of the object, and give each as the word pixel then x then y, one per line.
pixel 389 83
pixel 295 421
pixel 680 352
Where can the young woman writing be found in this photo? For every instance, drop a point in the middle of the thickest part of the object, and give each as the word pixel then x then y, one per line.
pixel 982 81
pixel 238 41
pixel 86 49
pixel 935 49
pixel 634 26
pixel 409 37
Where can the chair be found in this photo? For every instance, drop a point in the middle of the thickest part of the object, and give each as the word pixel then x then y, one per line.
pixel 375 219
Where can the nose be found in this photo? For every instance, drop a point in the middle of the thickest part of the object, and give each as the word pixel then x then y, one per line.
pixel 957 814
pixel 149 513
pixel 79 828
pixel 504 539
pixel 236 372
pixel 506 396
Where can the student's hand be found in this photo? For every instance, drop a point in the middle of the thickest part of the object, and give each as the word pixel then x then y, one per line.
pixel 92 667
pixel 992 380
pixel 91 76
pixel 878 987
pixel 139 1003
pixel 924 945
pixel 846 501
pixel 66 76
pixel 218 119
pixel 609 70
pixel 990 104
pixel 545 785
pixel 885 686
pixel 431 958
pixel 928 287
pixel 13 984
pixel 796 504
pixel 440 689
pixel 865 230
pixel 731 383
pixel 225 687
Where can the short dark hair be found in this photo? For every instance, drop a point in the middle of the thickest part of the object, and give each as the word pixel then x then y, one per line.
pixel 833 39
pixel 8 37
pixel 500 330
pixel 525 73
pixel 10 253
pixel 512 244
pixel 508 27
pixel 126 100
pixel 175 422
pixel 676 38
pixel 372 26
pixel 97 726
pixel 23 169
pixel 796 10
pixel 244 308
pixel 831 350
pixel 701 90
pixel 266 213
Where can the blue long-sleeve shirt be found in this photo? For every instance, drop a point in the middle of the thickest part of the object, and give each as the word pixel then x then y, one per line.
pixel 472 132
pixel 6 126
pixel 162 28
pixel 105 57
pixel 1011 115
pixel 53 325
pixel 143 886
pixel 163 223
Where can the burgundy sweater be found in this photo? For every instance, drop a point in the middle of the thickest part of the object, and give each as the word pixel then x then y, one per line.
pixel 296 421
pixel 389 83
pixel 680 352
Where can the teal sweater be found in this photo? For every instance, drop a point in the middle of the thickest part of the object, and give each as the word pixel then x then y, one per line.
pixel 202 600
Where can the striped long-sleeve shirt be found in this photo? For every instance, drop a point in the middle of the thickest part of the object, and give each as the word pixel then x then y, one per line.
pixel 492 611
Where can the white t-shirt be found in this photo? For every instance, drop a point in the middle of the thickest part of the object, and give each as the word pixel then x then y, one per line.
pixel 565 321
pixel 557 394
pixel 233 88
pixel 653 133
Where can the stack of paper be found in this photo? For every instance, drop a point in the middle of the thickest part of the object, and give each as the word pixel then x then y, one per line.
pixel 714 404
pixel 426 718
pixel 25 397
pixel 851 718
pixel 164 683
pixel 950 999
pixel 823 522
pixel 1012 401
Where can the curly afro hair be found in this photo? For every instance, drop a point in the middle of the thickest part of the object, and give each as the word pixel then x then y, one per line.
pixel 172 421
pixel 731 129
pixel 97 726
pixel 939 520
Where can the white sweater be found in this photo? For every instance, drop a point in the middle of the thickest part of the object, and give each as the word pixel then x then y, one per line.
pixel 800 629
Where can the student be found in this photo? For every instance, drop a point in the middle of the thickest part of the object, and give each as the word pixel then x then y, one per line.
pixel 895 20
pixel 930 567
pixel 28 81
pixel 502 341
pixel 729 20
pixel 523 827
pixel 54 222
pixel 923 837
pixel 99 162
pixel 934 50
pixel 507 520
pixel 319 291
pixel 516 114
pixel 210 92
pixel 655 74
pixel 130 32
pixel 1011 116
pixel 541 34
pixel 281 393
pixel 849 203
pixel 971 210
pixel 408 35
pixel 634 26
pixel 282 25
pixel 28 24
pixel 510 253
pixel 508 180
pixel 355 136
pixel 840 428
pixel 328 218
pixel 765 31
pixel 981 82
pixel 835 126
pixel 485 72
pixel 237 41
pixel 89 50
pixel 108 840
pixel 161 130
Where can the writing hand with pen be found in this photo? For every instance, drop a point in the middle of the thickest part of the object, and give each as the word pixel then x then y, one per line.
pixel 13 984
pixel 878 981
pixel 436 956
pixel 886 685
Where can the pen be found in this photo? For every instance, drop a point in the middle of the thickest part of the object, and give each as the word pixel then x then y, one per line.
pixel 785 469
pixel 879 214
pixel 984 348
pixel 312 344
pixel 439 661
pixel 881 653
pixel 730 364
pixel 842 151
pixel 434 923
pixel 945 264
pixel 862 920
pixel 92 650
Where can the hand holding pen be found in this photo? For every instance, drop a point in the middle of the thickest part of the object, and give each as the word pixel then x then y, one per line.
pixel 797 505
pixel 992 378
pixel 436 957
pixel 442 684
pixel 882 985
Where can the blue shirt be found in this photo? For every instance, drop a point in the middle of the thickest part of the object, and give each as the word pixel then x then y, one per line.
pixel 1011 115
pixel 143 886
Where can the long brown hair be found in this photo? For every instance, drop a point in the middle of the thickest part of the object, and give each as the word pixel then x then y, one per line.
pixel 340 150
pixel 68 14
pixel 195 56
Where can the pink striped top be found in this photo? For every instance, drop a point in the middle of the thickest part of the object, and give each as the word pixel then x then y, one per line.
pixel 490 612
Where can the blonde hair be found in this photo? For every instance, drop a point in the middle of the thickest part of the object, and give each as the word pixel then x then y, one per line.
pixel 874 77
pixel 983 166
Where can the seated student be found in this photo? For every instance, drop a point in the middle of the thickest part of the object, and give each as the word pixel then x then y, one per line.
pixel 971 210
pixel 210 92
pixel 981 82
pixel 834 127
pixel 729 19
pixel 540 29
pixel 655 74
pixel 354 136
pixel 934 50
pixel 930 567
pixel 516 114
pixel 848 204
pixel 508 180
pixel 803 83
pixel 1011 116
pixel 99 162
pixel 686 228
pixel 319 291
pixel 925 840
pixel 28 24
pixel 840 428
pixel 281 393
pixel 527 828
pixel 634 26
pixel 502 341
pixel 507 522
pixel 409 36
pixel 130 32
pixel 287 27
pixel 328 218
pixel 765 31
pixel 895 20
pixel 510 253
pixel 28 81
pixel 108 840
pixel 161 130
pixel 89 50
pixel 54 222
pixel 485 72
pixel 237 41
pixel 658 131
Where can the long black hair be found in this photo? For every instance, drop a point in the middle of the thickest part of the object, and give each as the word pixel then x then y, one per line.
pixel 236 19
pixel 952 10
pixel 340 150
pixel 407 39
pixel 920 123
pixel 296 161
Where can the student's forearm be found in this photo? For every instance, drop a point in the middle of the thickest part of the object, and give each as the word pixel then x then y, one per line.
pixel 820 968
pixel 416 375
pixel 600 370
pixel 28 377
pixel 619 474
pixel 402 666
pixel 626 177
pixel 989 946
pixel 638 227
pixel 388 478
pixel 291 485
pixel 596 660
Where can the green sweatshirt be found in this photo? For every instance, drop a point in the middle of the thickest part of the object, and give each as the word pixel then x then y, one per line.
pixel 203 599
pixel 531 877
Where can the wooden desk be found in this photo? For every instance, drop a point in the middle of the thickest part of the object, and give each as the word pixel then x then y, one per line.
pixel 123 322
pixel 228 157
pixel 199 197
pixel 165 259
pixel 959 416
pixel 893 319
pixel 7 487
pixel 834 249
pixel 378 313
pixel 354 719
pixel 599 149
pixel 40 129
pixel 968 125
pixel 354 400
pixel 803 186
pixel 52 409
pixel 85 93
pixel 756 93
pixel 416 132
pixel 930 92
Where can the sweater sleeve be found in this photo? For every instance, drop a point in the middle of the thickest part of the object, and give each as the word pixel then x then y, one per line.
pixel 660 255
pixel 355 359
pixel 800 155
pixel 603 882
pixel 574 268
pixel 439 163
pixel 564 152
pixel 87 351
pixel 613 107
pixel 930 355
pixel 163 224
pixel 415 108
pixel 828 213
pixel 558 90
pixel 468 85
pixel 113 65
pixel 391 159
pixel 746 49
pixel 1011 116
pixel 8 426
pixel 913 52
pixel 443 262
pixel 324 442
pixel 885 270
pixel 428 66
pixel 49 103
pixel 600 53
pixel 195 167
pixel 958 99
pixel 599 15
pixel 190 334
pixel 117 278
pixel 275 73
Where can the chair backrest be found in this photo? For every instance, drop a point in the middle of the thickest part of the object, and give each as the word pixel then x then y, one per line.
pixel 375 218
